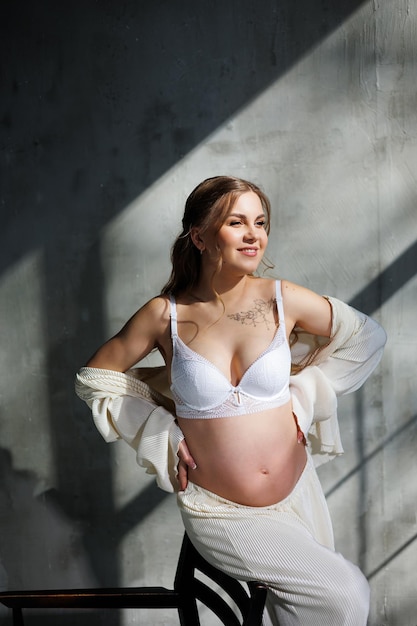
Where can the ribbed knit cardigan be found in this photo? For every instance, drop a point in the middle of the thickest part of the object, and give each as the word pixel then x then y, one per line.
pixel 136 406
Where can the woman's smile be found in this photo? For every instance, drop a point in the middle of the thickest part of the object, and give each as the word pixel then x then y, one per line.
pixel 249 251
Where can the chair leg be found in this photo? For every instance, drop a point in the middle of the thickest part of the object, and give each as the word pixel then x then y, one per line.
pixel 17 616
pixel 188 612
pixel 258 598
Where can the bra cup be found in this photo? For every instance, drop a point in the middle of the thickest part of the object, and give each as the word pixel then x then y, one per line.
pixel 198 388
pixel 199 385
pixel 269 375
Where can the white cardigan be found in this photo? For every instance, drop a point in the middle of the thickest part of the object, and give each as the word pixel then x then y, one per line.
pixel 137 407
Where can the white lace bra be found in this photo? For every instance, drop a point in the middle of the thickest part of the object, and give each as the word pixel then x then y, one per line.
pixel 201 390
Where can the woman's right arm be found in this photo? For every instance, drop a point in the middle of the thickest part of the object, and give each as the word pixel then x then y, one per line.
pixel 138 337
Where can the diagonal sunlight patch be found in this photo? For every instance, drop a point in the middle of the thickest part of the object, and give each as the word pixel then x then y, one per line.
pixel 324 163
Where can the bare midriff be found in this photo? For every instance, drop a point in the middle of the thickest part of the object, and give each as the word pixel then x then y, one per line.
pixel 254 460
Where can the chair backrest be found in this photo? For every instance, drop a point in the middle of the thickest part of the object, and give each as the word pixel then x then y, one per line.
pixel 188 588
pixel 249 602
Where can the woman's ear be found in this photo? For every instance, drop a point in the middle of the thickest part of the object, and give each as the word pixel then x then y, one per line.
pixel 197 239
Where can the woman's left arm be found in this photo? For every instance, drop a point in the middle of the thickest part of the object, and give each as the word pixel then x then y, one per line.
pixel 357 341
pixel 306 309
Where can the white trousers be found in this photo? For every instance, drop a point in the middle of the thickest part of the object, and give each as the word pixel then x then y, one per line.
pixel 288 546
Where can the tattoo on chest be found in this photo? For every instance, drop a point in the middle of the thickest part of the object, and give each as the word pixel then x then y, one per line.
pixel 260 314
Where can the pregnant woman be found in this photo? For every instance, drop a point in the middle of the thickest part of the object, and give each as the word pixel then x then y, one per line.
pixel 254 396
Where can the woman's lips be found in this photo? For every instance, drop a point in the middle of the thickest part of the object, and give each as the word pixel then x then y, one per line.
pixel 249 251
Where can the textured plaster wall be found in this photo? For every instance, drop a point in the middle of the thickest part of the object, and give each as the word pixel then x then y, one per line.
pixel 110 113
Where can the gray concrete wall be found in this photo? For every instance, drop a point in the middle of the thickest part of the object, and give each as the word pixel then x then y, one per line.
pixel 110 114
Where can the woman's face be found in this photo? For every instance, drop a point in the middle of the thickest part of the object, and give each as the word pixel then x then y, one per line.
pixel 242 239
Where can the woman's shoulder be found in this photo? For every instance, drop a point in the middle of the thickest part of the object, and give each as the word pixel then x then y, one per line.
pixel 271 285
pixel 293 292
pixel 155 313
pixel 157 307
pixel 306 308
pixel 264 288
pixel 263 282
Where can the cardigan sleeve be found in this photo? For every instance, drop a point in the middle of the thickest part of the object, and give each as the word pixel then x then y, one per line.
pixel 354 357
pixel 341 366
pixel 124 407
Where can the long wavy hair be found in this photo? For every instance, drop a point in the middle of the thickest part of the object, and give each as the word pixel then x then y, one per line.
pixel 206 207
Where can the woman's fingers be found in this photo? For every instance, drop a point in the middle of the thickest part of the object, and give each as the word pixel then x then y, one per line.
pixel 185 456
pixel 185 463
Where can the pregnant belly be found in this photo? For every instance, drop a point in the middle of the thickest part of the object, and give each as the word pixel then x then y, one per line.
pixel 254 460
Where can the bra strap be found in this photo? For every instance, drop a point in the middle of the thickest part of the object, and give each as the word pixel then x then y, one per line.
pixel 173 316
pixel 280 305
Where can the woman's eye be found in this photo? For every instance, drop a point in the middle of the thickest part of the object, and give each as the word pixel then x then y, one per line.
pixel 235 223
pixel 261 223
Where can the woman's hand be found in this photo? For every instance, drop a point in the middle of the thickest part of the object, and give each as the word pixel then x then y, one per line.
pixel 186 462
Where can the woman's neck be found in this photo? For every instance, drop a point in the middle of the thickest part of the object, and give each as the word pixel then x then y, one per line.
pixel 227 287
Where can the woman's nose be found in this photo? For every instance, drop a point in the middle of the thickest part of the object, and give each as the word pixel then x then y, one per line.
pixel 250 234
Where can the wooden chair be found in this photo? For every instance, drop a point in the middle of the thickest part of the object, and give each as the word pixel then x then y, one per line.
pixel 183 597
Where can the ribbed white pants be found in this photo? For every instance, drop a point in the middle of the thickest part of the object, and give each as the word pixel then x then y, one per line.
pixel 289 546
